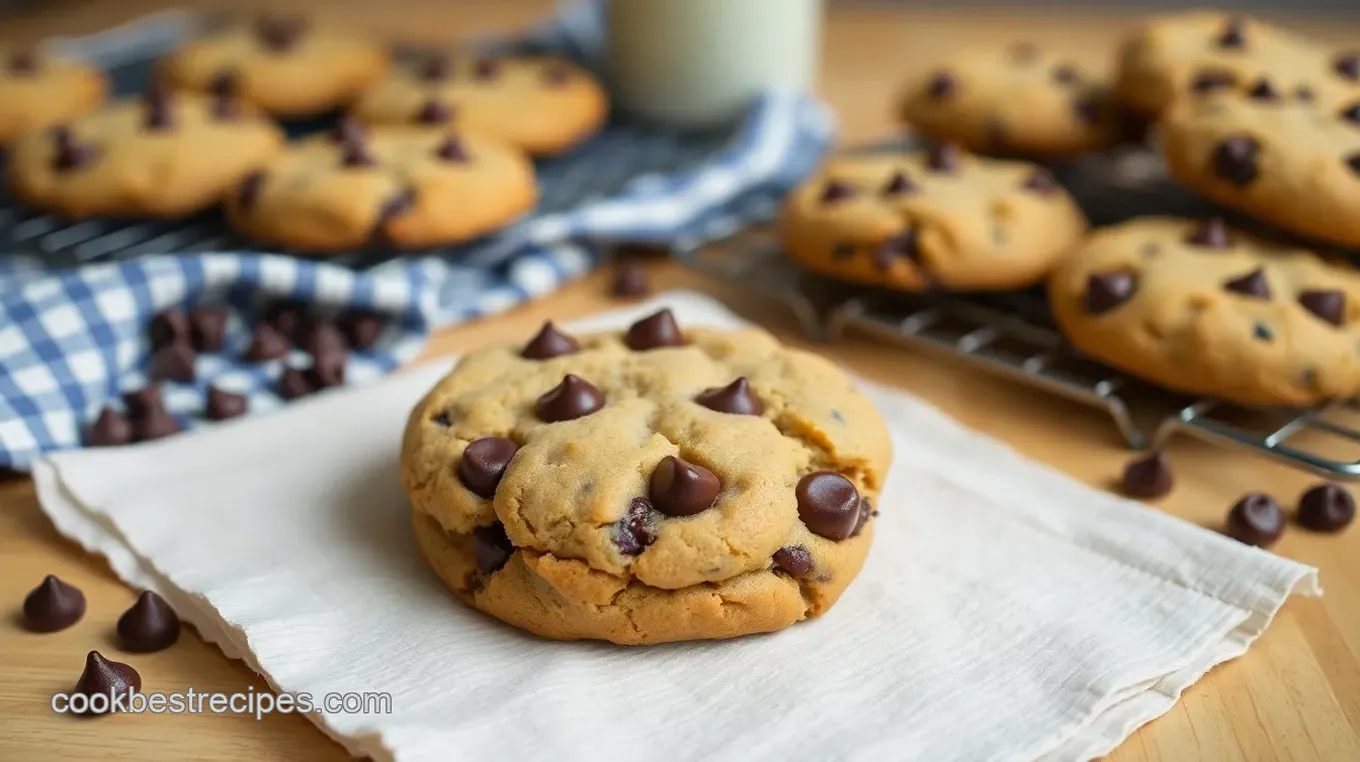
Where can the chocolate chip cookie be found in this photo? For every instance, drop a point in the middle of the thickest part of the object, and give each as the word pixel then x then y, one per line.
pixel 290 66
pixel 38 91
pixel 161 155
pixel 657 484
pixel 1021 100
pixel 941 219
pixel 396 186
pixel 543 105
pixel 1204 309
pixel 1191 54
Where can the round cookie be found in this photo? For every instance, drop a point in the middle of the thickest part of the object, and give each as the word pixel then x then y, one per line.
pixel 1295 164
pixel 543 105
pixel 287 65
pixel 1203 309
pixel 937 220
pixel 162 155
pixel 657 484
pixel 399 186
pixel 37 91
pixel 1198 52
pixel 1019 101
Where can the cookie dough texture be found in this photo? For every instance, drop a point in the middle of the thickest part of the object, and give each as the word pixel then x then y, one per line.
pixel 38 91
pixel 571 483
pixel 1206 310
pixel 936 220
pixel 543 105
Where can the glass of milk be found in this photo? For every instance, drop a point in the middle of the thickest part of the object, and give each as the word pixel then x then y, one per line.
pixel 699 63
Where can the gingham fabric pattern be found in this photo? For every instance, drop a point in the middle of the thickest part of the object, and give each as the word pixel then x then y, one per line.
pixel 73 340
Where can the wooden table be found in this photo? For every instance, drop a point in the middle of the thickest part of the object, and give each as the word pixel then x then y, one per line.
pixel 1295 696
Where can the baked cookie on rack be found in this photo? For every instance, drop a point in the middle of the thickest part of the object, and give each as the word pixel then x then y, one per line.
pixel 1018 101
pixel 1292 163
pixel 38 91
pixel 396 186
pixel 1204 309
pixel 656 484
pixel 164 154
pixel 940 219
pixel 289 66
pixel 543 105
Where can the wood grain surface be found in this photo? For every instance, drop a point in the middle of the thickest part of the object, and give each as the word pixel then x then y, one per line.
pixel 1294 696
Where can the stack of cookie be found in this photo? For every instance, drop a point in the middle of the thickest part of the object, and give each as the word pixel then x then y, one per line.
pixel 433 152
pixel 1260 122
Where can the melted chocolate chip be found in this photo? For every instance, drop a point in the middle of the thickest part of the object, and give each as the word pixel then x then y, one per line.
pixel 1262 332
pixel 1212 79
pixel 1211 234
pixel 144 402
pixel 491 548
pixel 149 625
pixel 1256 519
pixel 630 281
pixel 434 112
pixel 1041 181
pixel 1347 65
pixel 108 430
pixel 159 114
pixel 899 185
pixel 293 383
pixel 638 528
pixel 280 34
pixel 1253 284
pixel 1106 291
pixel 1327 507
pixel 549 343
pixel 484 463
pixel 266 343
pixel 573 398
pixel 207 328
pixel 433 68
pixel 1328 305
pixel 1232 35
pixel 942 84
pixel 1066 74
pixel 157 424
pixel 735 398
pixel 222 405
pixel 361 329
pixel 248 192
pixel 828 504
pixel 173 362
pixel 103 679
pixel 944 158
pixel 1351 114
pixel 837 190
pixel 794 560
pixel 53 605
pixel 1148 477
pixel 452 150
pixel 70 154
pixel 169 326
pixel 1235 160
pixel 1262 91
pixel 653 332
pixel 681 488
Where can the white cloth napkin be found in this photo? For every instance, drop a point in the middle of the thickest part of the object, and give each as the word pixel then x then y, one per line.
pixel 1006 612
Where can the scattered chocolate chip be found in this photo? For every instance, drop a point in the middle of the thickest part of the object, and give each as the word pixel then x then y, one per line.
pixel 433 68
pixel 1351 114
pixel 557 74
pixel 1256 519
pixel 53 605
pixel 318 335
pixel 866 512
pixel 1328 305
pixel 630 281
pixel 168 327
pixel 638 528
pixel 1041 181
pixel 486 68
pixel 794 560
pixel 735 398
pixel 361 329
pixel 491 548
pixel 22 62
pixel 1262 332
pixel 399 204
pixel 1105 291
pixel 223 84
pixel 108 430
pixel 1252 284
pixel 944 158
pixel 1308 378
pixel 327 369
pixel 899 185
pixel 942 84
pixel 1235 160
pixel 173 362
pixel 293 383
pixel 1262 91
pixel 573 398
pixel 828 504
pixel 157 424
pixel 434 112
pixel 1347 65
pixel 681 488
pixel 1148 477
pixel 266 343
pixel 443 419
pixel 484 463
pixel 1088 109
pixel 149 625
pixel 107 679
pixel 549 343
pixel 654 331
pixel 837 190
pixel 70 154
pixel 143 402
pixel 348 131
pixel 1212 79
pixel 1066 74
pixel 222 405
pixel 1211 234
pixel 356 155
pixel 1327 507
pixel 159 113
pixel 278 33
pixel 1232 35
pixel 901 246
pixel 207 328
pixel 248 192
pixel 452 150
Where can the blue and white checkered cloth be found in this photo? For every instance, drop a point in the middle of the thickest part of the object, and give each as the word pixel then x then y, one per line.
pixel 73 340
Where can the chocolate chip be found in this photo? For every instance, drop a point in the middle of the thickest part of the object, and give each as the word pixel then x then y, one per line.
pixel 327 369
pixel 638 528
pixel 944 158
pixel 442 419
pixel 486 68
pixel 169 326
pixel 1235 160
pixel 452 150
pixel 549 343
pixel 1262 91
pixel 156 424
pixel 903 246
pixel 866 512
pixel 433 68
pixel 399 204
pixel 173 362
pixel 1252 284
pixel 22 62
pixel 654 331
pixel 106 679
pixel 53 605
pixel 1066 74
pixel 681 488
pixel 1212 79
pixel 491 548
pixel 942 84
pixel 226 109
pixel 108 430
pixel 573 398
pixel 355 154
pixel 1353 163
pixel 1211 234
pixel 278 33
pixel 1148 477
pixel 735 398
pixel 222 405
pixel 248 192
pixel 1105 291
pixel 837 190
pixel 484 463
pixel 361 329
pixel 266 343
pixel 557 74
pixel 1351 114
pixel 1256 519
pixel 1328 305
pixel 348 131
pixel 293 383
pixel 70 154
pixel 223 84
pixel 899 185
pixel 144 402
pixel 149 625
pixel 1347 65
pixel 1327 507
pixel 1088 109
pixel 207 328
pixel 1232 35
pixel 434 112
pixel 1262 332
pixel 630 281
pixel 159 114
pixel 796 561
pixel 828 504
pixel 1041 181
pixel 320 335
